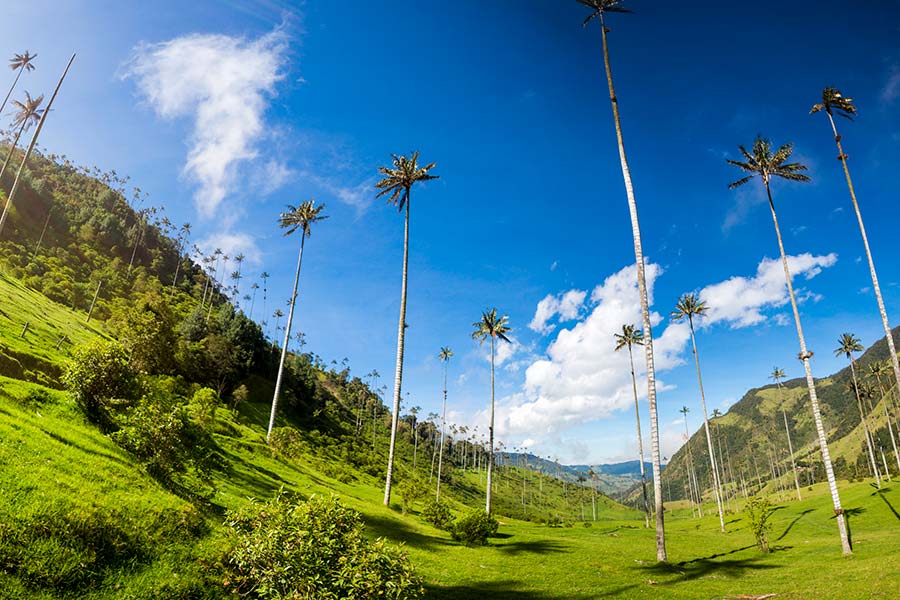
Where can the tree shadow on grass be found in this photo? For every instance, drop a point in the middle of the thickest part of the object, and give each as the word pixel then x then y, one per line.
pixel 880 494
pixel 732 568
pixel 398 531
pixel 499 590
pixel 534 547
pixel 851 512
pixel 67 442
pixel 792 523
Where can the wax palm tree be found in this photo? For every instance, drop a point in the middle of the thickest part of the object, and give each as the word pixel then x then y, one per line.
pixel 27 114
pixel 715 414
pixel 18 63
pixel 777 376
pixel 444 355
pixel 847 345
pixel 690 307
pixel 766 164
pixel 396 184
pixel 297 217
pixel 493 327
pixel 632 336
pixel 834 102
pixel 598 9
pixel 876 370
pixel 34 139
pixel 692 475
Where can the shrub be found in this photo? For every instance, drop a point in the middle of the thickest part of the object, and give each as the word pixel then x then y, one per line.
pixel 286 442
pixel 758 512
pixel 587 524
pixel 474 528
pixel 438 514
pixel 287 548
pixel 203 406
pixel 99 373
pixel 411 489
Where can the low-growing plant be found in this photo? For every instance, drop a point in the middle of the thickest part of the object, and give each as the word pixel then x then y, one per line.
pixel 286 442
pixel 98 374
pixel 438 514
pixel 412 489
pixel 290 549
pixel 758 512
pixel 474 528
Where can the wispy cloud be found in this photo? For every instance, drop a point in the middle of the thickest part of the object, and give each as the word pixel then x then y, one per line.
pixel 224 84
pixel 233 244
pixel 566 306
pixel 891 89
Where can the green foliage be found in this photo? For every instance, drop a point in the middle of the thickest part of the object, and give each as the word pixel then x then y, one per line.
pixel 286 442
pixel 411 489
pixel 147 331
pixel 290 549
pixel 474 528
pixel 203 406
pixel 240 394
pixel 759 510
pixel 438 514
pixel 99 373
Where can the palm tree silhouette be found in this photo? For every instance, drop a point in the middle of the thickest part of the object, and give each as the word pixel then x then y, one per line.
pixel 18 63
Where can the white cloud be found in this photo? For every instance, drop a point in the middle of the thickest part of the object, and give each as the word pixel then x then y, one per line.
pixel 233 244
pixel 566 306
pixel 359 196
pixel 891 89
pixel 224 84
pixel 582 378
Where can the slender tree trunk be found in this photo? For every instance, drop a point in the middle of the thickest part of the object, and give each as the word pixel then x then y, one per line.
pixel 287 338
pixel 177 268
pixel 398 377
pixel 787 431
pixel 887 416
pixel 94 301
pixel 865 425
pixel 709 444
pixel 490 469
pixel 11 88
pixel 810 382
pixel 895 363
pixel 12 148
pixel 645 308
pixel 637 417
pixel 40 241
pixel 34 138
pixel 443 426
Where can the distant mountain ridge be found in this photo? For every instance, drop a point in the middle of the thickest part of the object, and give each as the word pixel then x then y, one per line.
pixel 610 479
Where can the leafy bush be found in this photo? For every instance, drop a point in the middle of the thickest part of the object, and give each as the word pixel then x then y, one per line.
pixel 290 549
pixel 474 528
pixel 99 373
pixel 412 489
pixel 438 514
pixel 286 442
pixel 203 406
pixel 758 512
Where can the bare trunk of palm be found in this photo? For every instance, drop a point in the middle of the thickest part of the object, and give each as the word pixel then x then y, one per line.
pixel 12 148
pixel 34 138
pixel 895 363
pixel 887 416
pixel 398 376
pixel 490 468
pixel 865 425
pixel 787 431
pixel 37 247
pixel 637 418
pixel 443 426
pixel 645 309
pixel 11 88
pixel 810 382
pixel 287 338
pixel 709 444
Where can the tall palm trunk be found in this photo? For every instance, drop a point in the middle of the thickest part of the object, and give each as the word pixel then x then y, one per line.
pixel 398 376
pixel 645 309
pixel 863 420
pixel 443 426
pixel 34 138
pixel 637 418
pixel 887 416
pixel 490 469
pixel 895 363
pixel 287 338
pixel 787 430
pixel 709 444
pixel 12 87
pixel 12 149
pixel 810 382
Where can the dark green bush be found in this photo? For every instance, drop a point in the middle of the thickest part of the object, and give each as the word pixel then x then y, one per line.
pixel 290 549
pixel 438 514
pixel 474 528
pixel 286 442
pixel 98 374
pixel 758 512
pixel 411 489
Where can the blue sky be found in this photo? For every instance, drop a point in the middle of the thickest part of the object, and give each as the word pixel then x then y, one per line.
pixel 227 111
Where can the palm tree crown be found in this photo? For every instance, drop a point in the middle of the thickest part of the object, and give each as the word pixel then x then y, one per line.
pixel 22 61
pixel 689 306
pixel 834 102
pixel 492 326
pixel 777 375
pixel 767 164
pixel 27 112
pixel 598 7
pixel 630 336
pixel 398 181
pixel 445 354
pixel 847 345
pixel 301 217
